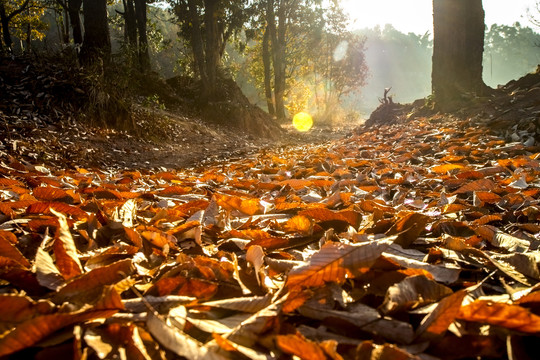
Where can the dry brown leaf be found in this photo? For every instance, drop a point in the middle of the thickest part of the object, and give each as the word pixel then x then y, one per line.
pixel 437 322
pixel 335 262
pixel 412 292
pixel 297 345
pixel 512 317
pixel 38 328
pixel 65 251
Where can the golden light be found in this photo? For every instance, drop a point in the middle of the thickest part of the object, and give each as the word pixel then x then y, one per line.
pixel 302 121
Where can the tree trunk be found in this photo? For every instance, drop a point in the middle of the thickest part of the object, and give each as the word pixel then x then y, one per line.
pixel 198 48
pixel 212 45
pixel 277 39
pixel 267 72
pixel 5 27
pixel 96 43
pixel 144 54
pixel 457 50
pixel 65 26
pixel 74 8
pixel 130 22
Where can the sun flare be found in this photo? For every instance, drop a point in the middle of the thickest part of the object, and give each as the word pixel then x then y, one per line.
pixel 302 121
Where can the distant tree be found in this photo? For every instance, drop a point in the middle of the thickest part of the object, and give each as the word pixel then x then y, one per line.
pixel 135 32
pixel 409 77
pixel 9 9
pixel 207 26
pixel 457 51
pixel 295 59
pixel 96 43
pixel 285 32
pixel 510 52
pixel 337 63
pixel 73 9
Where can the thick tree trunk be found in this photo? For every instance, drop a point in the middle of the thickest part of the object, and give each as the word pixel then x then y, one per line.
pixel 457 50
pixel 144 54
pixel 266 58
pixel 74 8
pixel 96 43
pixel 212 45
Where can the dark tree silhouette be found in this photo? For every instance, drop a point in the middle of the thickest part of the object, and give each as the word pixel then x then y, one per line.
pixel 457 50
pixel 96 43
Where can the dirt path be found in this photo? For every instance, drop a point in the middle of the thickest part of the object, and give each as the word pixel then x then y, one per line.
pixel 172 142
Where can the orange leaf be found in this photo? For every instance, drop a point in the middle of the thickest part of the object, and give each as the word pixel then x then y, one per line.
pixel 22 308
pixel 301 347
pixel 409 228
pixel 323 215
pixel 487 197
pixel 335 262
pixel 500 314
pixel 443 169
pixel 157 238
pixel 34 330
pixel 65 251
pixel 438 321
pixel 174 190
pixel 9 182
pixel 299 224
pixel 296 184
pixel 295 299
pixel 96 279
pixel 50 193
pixel 477 185
pixel 8 250
pixel 45 208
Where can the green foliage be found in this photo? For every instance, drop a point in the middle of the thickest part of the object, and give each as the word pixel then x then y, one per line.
pixel 510 52
pixel 28 24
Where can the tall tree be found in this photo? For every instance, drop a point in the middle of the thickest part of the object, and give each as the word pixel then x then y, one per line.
pixel 208 26
pixel 457 50
pixel 143 51
pixel 73 8
pixel 6 16
pixel 97 42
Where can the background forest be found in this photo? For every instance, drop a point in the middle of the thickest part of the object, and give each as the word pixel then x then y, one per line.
pixel 325 67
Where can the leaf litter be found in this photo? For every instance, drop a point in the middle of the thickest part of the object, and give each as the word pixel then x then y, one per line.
pixel 401 242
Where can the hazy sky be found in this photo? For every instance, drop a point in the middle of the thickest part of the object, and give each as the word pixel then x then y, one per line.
pixel 417 15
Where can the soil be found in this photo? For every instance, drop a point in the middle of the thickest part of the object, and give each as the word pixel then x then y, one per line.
pixel 45 119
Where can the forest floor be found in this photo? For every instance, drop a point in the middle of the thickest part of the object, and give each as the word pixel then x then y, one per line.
pixel 188 142
pixel 415 238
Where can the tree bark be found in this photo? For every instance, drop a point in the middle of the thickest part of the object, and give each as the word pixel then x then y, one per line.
pixel 457 50
pixel 143 51
pixel 197 46
pixel 212 45
pixel 277 39
pixel 130 22
pixel 266 58
pixel 74 8
pixel 5 27
pixel 96 43
pixel 65 26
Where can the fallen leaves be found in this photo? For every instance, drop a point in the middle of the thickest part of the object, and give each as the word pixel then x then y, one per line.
pixel 398 243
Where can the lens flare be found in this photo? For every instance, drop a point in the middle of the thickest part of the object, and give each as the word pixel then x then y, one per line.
pixel 302 121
